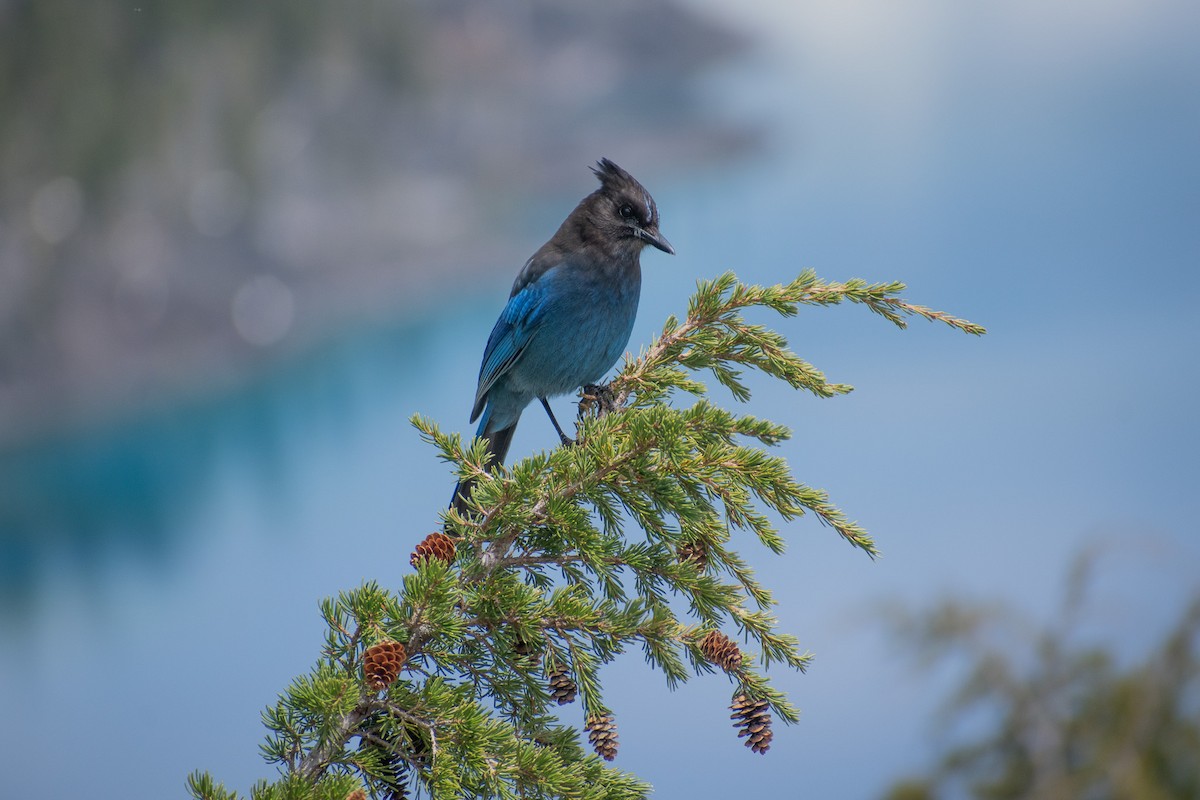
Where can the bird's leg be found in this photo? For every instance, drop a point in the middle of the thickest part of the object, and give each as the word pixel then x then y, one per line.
pixel 566 440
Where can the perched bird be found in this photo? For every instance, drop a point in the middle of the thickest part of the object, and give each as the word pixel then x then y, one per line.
pixel 570 312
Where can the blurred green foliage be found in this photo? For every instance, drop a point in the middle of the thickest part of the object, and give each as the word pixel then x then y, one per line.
pixel 1043 714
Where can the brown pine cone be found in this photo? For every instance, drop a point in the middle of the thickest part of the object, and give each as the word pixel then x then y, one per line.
pixel 721 650
pixel 382 663
pixel 562 688
pixel 602 733
pixel 694 553
pixel 436 545
pixel 753 718
pixel 357 794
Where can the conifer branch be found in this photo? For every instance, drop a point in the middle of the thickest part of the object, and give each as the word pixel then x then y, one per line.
pixel 566 559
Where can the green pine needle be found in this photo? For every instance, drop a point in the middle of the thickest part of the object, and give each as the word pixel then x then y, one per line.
pixel 629 539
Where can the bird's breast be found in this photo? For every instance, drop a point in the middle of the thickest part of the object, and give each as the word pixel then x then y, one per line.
pixel 585 328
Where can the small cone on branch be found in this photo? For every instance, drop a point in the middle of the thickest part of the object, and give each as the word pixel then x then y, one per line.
pixel 602 733
pixel 694 553
pixel 401 749
pixel 382 663
pixel 399 791
pixel 394 774
pixel 529 652
pixel 721 650
pixel 562 688
pixel 436 545
pixel 753 719
pixel 397 782
pixel 418 744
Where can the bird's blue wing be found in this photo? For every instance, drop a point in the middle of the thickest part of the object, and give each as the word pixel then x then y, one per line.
pixel 511 335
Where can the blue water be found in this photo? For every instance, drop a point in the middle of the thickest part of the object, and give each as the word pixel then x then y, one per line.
pixel 160 575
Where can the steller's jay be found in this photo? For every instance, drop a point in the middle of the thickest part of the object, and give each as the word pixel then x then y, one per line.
pixel 570 312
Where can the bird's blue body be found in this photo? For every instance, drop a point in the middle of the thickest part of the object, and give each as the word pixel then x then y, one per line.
pixel 567 327
pixel 571 309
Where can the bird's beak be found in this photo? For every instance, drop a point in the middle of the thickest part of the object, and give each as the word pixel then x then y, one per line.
pixel 656 239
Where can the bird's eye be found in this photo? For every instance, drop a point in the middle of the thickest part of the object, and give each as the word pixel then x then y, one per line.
pixel 626 211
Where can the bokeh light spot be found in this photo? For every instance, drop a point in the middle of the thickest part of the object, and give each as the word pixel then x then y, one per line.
pixel 263 310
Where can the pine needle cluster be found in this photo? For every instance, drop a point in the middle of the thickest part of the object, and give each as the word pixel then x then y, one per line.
pixel 565 560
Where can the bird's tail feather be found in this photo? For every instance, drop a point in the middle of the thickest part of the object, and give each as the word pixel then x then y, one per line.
pixel 497 443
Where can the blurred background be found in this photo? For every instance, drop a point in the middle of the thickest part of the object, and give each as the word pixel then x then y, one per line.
pixel 240 244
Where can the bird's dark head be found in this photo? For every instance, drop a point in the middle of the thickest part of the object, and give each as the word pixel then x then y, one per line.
pixel 623 210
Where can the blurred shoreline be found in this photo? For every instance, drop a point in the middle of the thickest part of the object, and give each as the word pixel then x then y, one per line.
pixel 191 195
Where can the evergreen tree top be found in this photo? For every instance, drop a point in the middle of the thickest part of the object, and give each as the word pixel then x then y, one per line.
pixel 564 560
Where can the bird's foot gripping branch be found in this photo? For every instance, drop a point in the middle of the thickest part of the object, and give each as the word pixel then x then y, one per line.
pixel 563 561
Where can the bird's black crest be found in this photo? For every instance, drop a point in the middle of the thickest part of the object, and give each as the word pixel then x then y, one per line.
pixel 612 175
pixel 615 181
